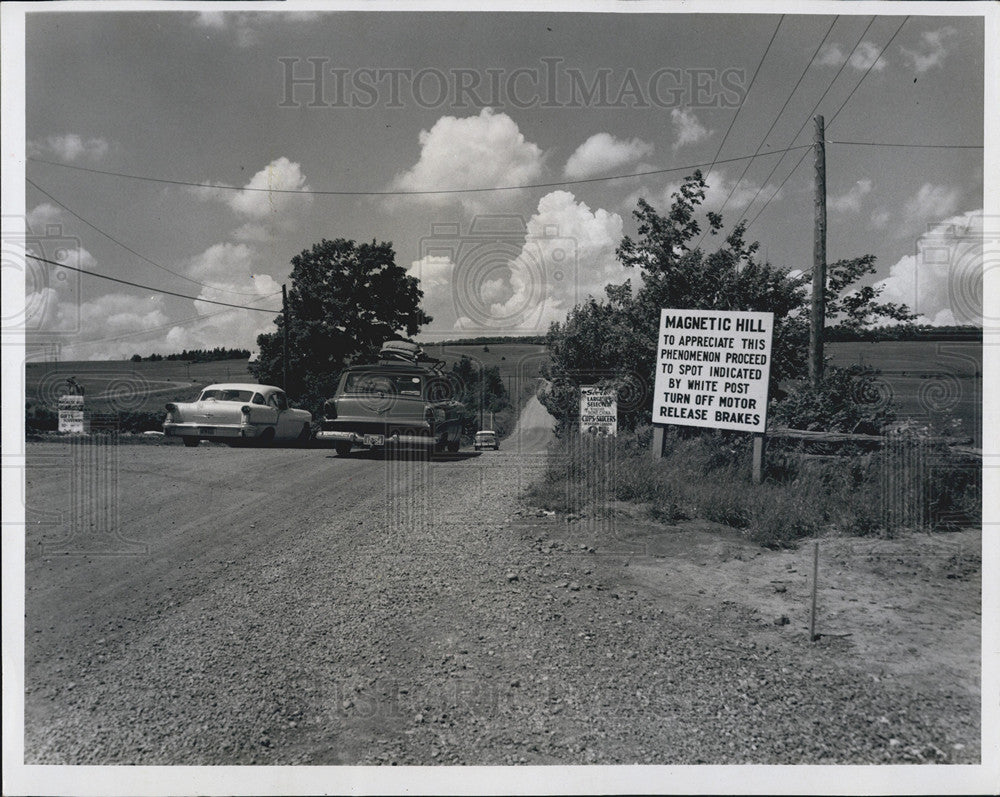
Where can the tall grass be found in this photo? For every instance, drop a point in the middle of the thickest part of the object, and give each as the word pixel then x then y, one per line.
pixel 707 475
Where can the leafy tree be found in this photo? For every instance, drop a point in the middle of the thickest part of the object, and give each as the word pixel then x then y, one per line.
pixel 346 299
pixel 479 388
pixel 613 341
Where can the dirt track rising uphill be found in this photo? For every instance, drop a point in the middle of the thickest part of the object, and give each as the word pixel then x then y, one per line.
pixel 295 607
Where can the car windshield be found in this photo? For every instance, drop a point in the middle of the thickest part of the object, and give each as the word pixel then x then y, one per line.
pixel 388 384
pixel 215 394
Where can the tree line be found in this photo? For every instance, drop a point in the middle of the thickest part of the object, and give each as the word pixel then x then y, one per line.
pixel 197 355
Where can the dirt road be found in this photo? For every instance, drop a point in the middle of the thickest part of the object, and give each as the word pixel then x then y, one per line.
pixel 284 606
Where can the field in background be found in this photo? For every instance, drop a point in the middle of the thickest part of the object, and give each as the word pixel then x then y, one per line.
pixel 919 375
pixel 147 386
pixel 139 387
pixel 924 377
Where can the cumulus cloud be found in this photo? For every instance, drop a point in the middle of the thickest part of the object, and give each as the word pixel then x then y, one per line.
pixel 96 324
pixel 850 201
pixel 930 51
pixel 247 26
pixel 564 253
pixel 262 201
pixel 880 219
pixel 931 202
pixel 43 216
pixel 229 268
pixel 861 58
pixel 943 279
pixel 69 147
pixel 687 128
pixel 603 153
pixel 472 152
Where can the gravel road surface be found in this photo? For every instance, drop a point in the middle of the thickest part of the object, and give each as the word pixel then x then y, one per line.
pixel 286 606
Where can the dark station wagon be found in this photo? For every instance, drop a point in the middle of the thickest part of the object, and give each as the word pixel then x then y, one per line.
pixel 393 405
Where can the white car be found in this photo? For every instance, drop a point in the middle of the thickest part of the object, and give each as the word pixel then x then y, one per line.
pixel 237 413
pixel 486 439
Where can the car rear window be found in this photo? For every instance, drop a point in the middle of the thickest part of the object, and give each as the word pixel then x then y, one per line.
pixel 227 395
pixel 389 384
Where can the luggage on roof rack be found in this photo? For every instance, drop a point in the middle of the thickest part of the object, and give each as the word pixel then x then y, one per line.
pixel 400 350
pixel 403 352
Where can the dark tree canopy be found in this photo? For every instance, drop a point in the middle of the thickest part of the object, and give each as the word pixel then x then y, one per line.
pixel 345 300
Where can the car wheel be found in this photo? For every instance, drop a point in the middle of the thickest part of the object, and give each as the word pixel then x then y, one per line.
pixel 453 445
pixel 266 437
pixel 343 449
pixel 191 442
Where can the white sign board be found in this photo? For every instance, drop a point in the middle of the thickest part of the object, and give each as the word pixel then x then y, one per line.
pixel 598 411
pixel 71 414
pixel 712 369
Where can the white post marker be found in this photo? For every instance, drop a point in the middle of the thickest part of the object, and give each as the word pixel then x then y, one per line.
pixel 713 369
pixel 598 411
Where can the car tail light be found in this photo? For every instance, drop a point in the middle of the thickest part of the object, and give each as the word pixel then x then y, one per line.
pixel 171 409
pixel 429 415
pixel 330 409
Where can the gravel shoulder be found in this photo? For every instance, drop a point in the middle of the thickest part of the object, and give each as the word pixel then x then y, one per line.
pixel 291 607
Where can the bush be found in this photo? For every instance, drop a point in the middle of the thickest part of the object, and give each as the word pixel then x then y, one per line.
pixel 39 418
pixel 908 484
pixel 848 400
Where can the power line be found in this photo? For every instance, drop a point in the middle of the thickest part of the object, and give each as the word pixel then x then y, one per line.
pixel 143 332
pixel 775 122
pixel 869 69
pixel 776 190
pixel 409 193
pixel 900 144
pixel 732 122
pixel 808 117
pixel 128 248
pixel 148 287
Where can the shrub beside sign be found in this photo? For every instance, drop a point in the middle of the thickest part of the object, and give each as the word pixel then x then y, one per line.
pixel 713 368
pixel 598 411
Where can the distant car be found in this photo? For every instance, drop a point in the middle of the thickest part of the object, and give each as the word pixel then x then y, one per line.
pixel 397 403
pixel 486 439
pixel 237 413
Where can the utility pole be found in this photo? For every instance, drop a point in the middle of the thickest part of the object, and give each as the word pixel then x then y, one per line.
pixel 284 338
pixel 818 315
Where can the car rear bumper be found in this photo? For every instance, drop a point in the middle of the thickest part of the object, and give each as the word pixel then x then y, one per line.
pixel 399 439
pixel 225 432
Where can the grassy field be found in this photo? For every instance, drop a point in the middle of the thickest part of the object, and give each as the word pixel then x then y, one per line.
pixel 147 386
pixel 924 377
pixel 921 376
pixel 143 386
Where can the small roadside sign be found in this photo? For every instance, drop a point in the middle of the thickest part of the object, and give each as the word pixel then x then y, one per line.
pixel 598 411
pixel 71 414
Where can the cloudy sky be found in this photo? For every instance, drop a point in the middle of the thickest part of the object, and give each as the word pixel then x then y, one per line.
pixel 346 123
